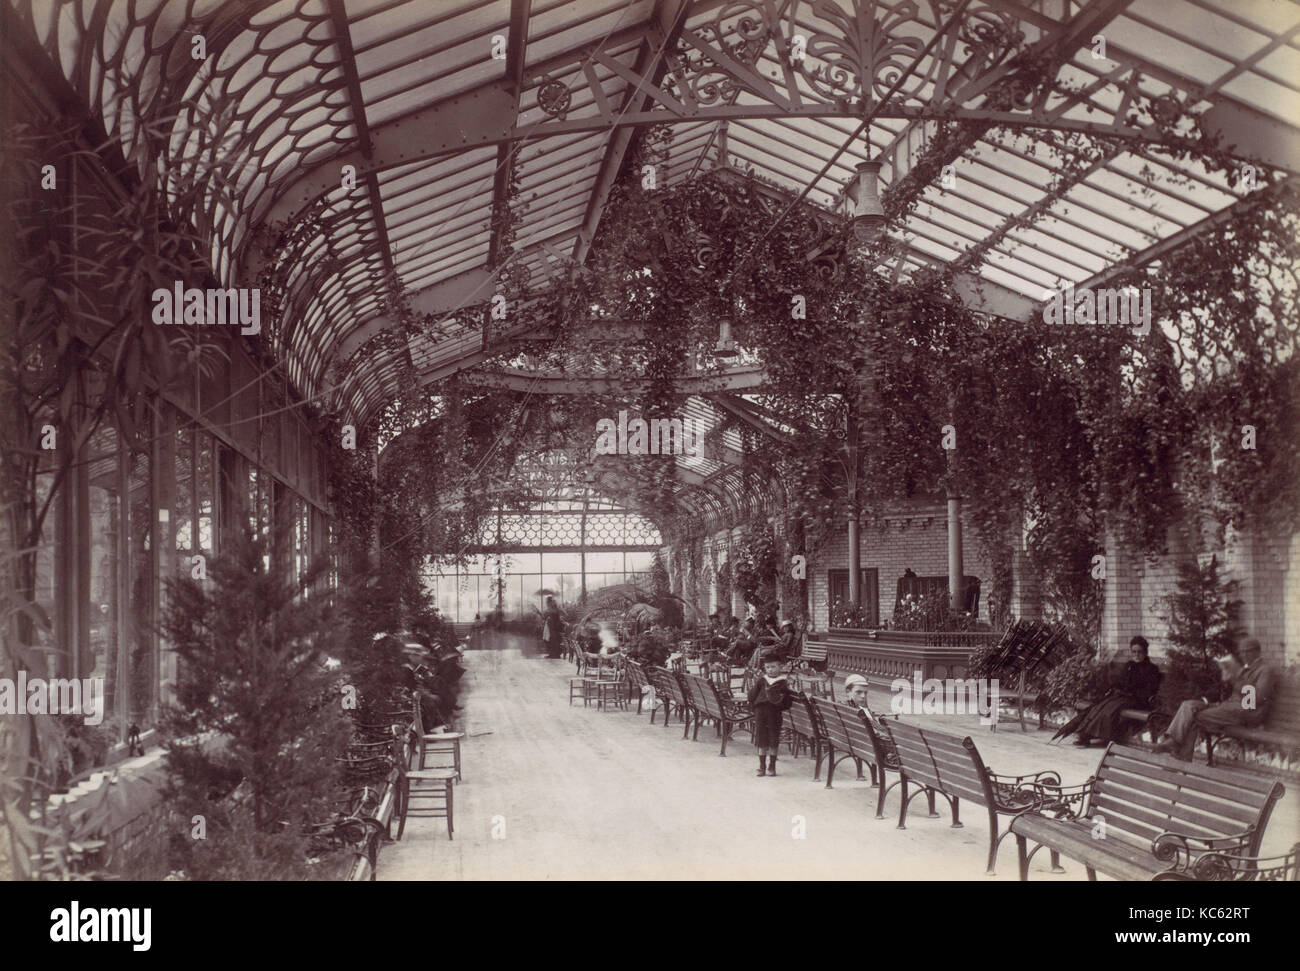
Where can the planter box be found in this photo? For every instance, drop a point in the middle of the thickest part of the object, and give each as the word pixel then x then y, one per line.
pixel 885 655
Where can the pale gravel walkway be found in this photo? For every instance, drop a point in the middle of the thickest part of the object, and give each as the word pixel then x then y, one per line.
pixel 587 794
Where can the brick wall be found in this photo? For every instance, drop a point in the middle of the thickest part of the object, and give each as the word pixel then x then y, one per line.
pixel 1267 568
pixel 916 538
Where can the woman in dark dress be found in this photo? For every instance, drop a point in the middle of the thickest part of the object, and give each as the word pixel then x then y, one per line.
pixel 1136 688
pixel 552 629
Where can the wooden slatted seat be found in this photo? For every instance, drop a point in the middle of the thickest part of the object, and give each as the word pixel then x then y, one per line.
pixel 806 729
pixel 952 767
pixel 1226 867
pixel 637 682
pixel 811 653
pixel 852 733
pixel 1280 731
pixel 668 690
pixel 703 700
pixel 1156 814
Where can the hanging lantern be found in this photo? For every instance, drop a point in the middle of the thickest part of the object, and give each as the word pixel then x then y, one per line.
pixel 725 347
pixel 864 191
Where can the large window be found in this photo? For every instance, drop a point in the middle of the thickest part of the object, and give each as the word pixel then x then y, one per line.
pixel 525 579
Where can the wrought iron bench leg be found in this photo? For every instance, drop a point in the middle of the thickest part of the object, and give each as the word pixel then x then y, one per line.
pixel 1022 856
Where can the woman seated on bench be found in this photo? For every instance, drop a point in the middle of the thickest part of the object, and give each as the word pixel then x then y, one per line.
pixel 1136 688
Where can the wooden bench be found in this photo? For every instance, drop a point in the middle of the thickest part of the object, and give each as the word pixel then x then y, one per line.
pixel 703 700
pixel 812 654
pixel 1280 731
pixel 1226 867
pixel 1144 814
pixel 854 735
pixel 952 767
pixel 668 690
pixel 806 729
pixel 637 682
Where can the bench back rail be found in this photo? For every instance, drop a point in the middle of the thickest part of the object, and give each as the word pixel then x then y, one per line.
pixel 953 768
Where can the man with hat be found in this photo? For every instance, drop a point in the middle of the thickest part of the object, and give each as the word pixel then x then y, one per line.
pixel 855 689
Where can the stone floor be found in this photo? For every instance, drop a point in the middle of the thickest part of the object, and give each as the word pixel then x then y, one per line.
pixel 558 792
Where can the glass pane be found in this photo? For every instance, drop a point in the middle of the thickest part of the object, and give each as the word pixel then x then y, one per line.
pixel 143 661
pixel 639 562
pixel 205 477
pixel 561 562
pixel 604 563
pixel 182 511
pixel 105 559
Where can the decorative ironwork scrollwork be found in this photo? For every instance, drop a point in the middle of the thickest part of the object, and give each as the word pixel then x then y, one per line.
pixel 867 55
pixel 554 97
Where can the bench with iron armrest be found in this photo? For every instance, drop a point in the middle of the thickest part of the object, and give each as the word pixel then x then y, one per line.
pixel 637 682
pixel 1157 814
pixel 806 729
pixel 358 825
pixel 850 733
pixel 1154 715
pixel 379 767
pixel 1280 731
pixel 703 700
pixel 1154 719
pixel 718 670
pixel 811 655
pixel 952 767
pixel 1224 867
pixel 669 691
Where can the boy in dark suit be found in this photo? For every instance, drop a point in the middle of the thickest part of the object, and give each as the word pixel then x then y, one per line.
pixel 769 696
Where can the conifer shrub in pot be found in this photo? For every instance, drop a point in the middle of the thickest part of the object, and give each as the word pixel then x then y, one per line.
pixel 257 722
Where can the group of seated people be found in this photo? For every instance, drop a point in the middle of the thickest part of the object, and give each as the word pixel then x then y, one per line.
pixel 1247 684
pixel 735 642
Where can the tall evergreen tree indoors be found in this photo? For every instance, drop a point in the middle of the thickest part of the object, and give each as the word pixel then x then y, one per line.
pixel 1203 615
pixel 257 721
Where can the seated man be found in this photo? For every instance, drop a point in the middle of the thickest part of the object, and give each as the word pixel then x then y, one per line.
pixel 745 643
pixel 787 644
pixel 1247 701
pixel 855 687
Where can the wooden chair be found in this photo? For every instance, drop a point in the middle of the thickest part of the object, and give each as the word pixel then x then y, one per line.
pixel 429 794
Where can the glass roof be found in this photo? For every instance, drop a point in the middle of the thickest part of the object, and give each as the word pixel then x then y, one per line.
pixel 447 111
